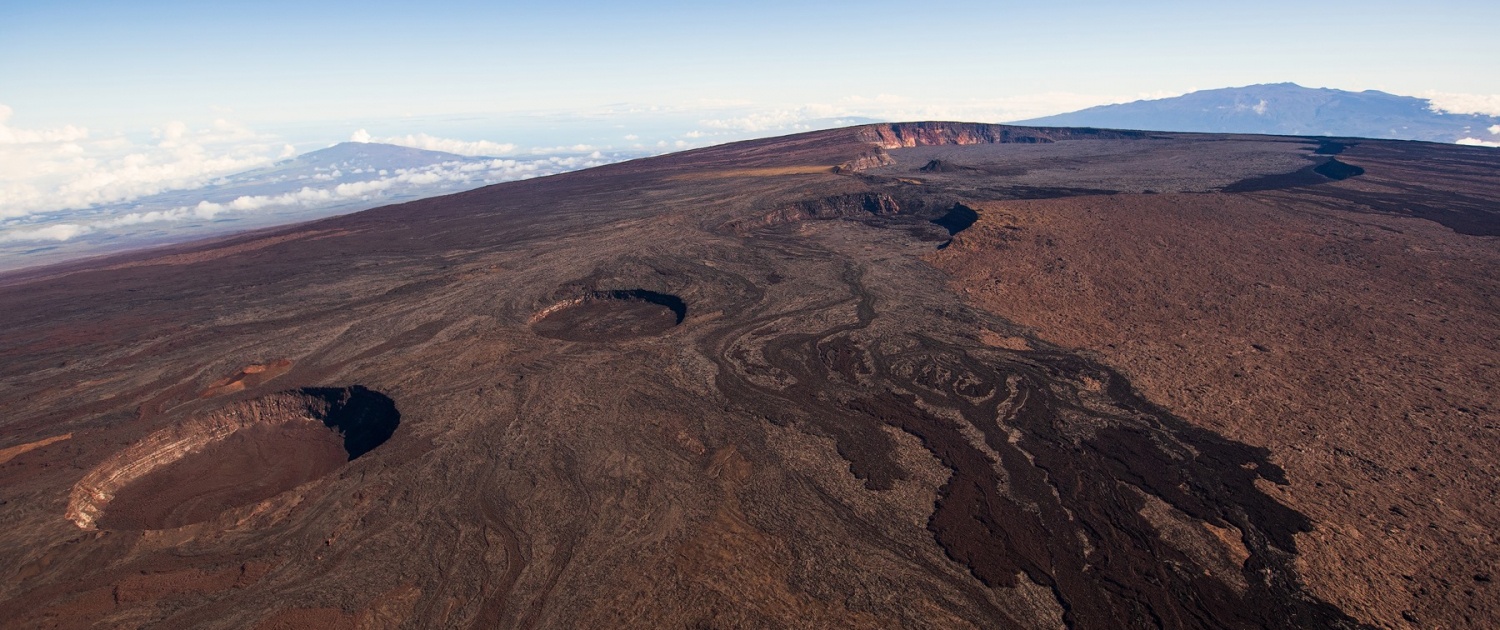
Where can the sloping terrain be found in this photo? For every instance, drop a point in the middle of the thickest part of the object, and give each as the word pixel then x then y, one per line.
pixel 916 375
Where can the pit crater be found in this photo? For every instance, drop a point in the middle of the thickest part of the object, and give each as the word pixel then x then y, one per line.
pixel 610 316
pixel 239 455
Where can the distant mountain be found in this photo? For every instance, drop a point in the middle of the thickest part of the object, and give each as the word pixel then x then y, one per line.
pixel 365 155
pixel 1287 109
pixel 343 163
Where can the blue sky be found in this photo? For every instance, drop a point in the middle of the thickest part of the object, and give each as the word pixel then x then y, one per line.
pixel 133 64
pixel 106 102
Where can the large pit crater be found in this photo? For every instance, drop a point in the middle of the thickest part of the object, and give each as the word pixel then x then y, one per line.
pixel 610 316
pixel 240 455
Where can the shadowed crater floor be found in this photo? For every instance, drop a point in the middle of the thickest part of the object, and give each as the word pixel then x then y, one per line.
pixel 292 439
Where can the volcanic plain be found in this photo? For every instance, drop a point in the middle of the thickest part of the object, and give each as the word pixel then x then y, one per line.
pixel 927 375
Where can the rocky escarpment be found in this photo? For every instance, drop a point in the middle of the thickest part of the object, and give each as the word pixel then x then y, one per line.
pixel 886 136
pixel 874 158
pixel 925 134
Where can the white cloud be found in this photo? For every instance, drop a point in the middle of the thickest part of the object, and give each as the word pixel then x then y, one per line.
pixel 1495 130
pixel 577 148
pixel 9 135
pixel 57 232
pixel 423 181
pixel 771 120
pixel 46 170
pixel 1476 142
pixel 1457 103
pixel 433 143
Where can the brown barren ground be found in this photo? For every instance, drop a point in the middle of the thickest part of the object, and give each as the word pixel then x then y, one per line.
pixel 1360 349
pixel 1057 378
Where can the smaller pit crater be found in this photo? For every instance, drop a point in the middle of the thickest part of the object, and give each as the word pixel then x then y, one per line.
pixel 610 316
pixel 240 455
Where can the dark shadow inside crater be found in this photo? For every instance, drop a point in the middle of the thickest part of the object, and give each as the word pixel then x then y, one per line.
pixel 366 418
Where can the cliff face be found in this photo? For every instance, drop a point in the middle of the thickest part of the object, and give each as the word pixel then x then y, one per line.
pixel 874 158
pixel 924 134
pixel 927 134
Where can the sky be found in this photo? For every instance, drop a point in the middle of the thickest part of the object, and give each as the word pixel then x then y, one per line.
pixel 105 102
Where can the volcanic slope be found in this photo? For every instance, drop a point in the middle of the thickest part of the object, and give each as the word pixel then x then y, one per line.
pixel 915 375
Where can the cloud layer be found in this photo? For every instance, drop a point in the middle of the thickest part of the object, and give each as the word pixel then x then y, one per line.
pixel 45 170
pixel 381 188
pixel 1455 103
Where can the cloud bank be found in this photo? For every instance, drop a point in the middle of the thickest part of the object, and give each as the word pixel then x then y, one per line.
pixel 388 186
pixel 1456 103
pixel 46 170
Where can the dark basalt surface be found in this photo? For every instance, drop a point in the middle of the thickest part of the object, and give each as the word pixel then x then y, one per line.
pixel 1328 170
pixel 1056 497
pixel 720 388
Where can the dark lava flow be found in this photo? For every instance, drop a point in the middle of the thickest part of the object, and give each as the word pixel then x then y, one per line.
pixel 1336 170
pixel 1330 147
pixel 1325 171
pixel 1079 457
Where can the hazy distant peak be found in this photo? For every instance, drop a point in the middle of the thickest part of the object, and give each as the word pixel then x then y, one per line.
pixel 1289 109
pixel 377 152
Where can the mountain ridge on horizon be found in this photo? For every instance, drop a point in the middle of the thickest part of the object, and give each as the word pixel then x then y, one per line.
pixel 1288 109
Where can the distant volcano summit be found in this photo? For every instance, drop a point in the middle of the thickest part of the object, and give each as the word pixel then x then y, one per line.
pixel 1289 109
